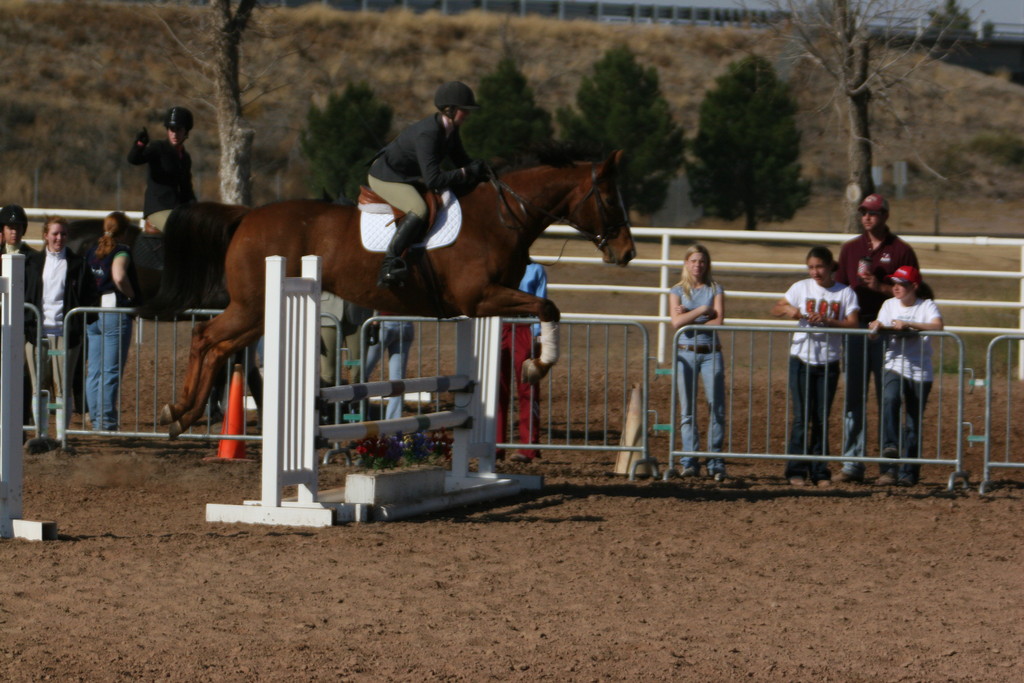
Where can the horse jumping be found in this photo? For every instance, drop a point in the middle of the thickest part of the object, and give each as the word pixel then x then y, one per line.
pixel 477 276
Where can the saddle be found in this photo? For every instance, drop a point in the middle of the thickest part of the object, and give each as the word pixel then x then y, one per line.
pixel 433 200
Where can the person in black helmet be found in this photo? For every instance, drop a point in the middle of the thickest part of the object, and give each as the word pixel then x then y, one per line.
pixel 411 163
pixel 14 222
pixel 169 176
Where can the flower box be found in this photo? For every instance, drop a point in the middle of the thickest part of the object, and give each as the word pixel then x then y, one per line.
pixel 385 487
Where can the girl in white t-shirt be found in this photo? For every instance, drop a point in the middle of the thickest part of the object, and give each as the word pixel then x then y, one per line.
pixel 908 370
pixel 814 361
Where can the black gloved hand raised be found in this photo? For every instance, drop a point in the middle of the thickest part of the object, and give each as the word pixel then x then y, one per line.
pixel 477 171
pixel 142 138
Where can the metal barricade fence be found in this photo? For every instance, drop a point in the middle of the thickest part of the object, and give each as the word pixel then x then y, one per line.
pixel 1003 427
pixel 758 398
pixel 582 402
pixel 151 376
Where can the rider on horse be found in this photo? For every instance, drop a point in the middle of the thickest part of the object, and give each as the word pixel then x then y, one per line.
pixel 412 162
pixel 168 181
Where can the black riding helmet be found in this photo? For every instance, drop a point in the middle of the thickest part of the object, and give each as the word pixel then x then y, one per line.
pixel 455 94
pixel 178 117
pixel 12 214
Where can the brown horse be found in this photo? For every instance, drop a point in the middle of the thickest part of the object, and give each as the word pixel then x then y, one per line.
pixel 478 275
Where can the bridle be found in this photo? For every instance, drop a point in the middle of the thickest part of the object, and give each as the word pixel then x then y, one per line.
pixel 600 238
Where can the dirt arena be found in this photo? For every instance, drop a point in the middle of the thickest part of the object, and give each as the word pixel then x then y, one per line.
pixel 593 578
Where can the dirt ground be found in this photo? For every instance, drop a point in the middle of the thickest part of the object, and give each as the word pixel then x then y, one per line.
pixel 593 578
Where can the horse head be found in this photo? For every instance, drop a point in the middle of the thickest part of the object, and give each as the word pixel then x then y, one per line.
pixel 596 209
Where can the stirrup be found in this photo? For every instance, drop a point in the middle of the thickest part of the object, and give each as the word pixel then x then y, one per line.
pixel 393 273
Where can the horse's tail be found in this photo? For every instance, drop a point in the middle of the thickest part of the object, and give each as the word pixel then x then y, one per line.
pixel 196 238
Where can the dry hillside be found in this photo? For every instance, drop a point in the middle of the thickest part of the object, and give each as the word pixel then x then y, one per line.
pixel 78 79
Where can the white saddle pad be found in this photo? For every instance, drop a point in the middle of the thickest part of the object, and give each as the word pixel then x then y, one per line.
pixel 377 225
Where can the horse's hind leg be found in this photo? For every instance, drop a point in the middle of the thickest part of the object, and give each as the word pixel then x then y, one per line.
pixel 212 343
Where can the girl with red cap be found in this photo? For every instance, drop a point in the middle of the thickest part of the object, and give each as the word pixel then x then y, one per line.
pixel 908 370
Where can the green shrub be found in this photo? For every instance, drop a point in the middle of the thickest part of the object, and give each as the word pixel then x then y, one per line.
pixel 1005 148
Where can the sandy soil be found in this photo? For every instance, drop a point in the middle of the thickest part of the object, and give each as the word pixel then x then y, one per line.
pixel 592 578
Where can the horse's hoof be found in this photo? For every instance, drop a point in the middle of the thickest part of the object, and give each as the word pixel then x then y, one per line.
pixel 166 415
pixel 174 430
pixel 534 370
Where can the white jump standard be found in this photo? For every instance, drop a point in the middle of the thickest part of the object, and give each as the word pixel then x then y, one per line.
pixel 291 389
pixel 12 368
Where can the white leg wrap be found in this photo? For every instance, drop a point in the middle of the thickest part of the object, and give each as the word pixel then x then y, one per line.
pixel 535 370
pixel 548 343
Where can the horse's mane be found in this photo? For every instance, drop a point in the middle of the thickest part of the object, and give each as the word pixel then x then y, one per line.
pixel 551 153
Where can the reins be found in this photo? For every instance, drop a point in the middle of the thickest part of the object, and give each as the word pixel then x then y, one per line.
pixel 599 239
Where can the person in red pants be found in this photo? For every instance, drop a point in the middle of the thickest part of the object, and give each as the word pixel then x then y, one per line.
pixel 519 342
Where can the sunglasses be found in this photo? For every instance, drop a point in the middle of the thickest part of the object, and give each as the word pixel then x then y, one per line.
pixel 865 212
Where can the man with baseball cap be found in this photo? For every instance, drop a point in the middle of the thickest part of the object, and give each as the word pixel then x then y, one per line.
pixel 14 222
pixel 865 264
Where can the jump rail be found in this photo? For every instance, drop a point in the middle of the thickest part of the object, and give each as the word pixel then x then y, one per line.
pixel 290 430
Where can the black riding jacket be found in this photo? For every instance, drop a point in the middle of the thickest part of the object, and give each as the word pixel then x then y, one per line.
pixel 415 156
pixel 168 178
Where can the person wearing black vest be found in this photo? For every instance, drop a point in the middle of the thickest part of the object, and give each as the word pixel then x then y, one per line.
pixel 411 164
pixel 109 336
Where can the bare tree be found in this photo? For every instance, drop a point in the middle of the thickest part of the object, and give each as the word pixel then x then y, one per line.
pixel 226 30
pixel 214 46
pixel 867 48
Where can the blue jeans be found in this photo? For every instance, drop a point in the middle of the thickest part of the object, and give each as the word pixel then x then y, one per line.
pixel 107 342
pixel 395 337
pixel 899 391
pixel 863 361
pixel 689 365
pixel 812 389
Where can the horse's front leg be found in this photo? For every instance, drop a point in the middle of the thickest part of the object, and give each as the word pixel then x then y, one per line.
pixel 212 366
pixel 197 352
pixel 505 301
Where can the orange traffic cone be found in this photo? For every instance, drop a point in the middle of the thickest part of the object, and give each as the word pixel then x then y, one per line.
pixel 234 421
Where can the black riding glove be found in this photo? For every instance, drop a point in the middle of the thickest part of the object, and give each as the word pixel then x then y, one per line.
pixel 142 138
pixel 477 171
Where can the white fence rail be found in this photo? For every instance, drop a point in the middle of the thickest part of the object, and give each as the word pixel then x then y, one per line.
pixel 668 271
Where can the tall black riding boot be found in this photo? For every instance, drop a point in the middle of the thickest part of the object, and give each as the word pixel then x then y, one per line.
pixel 393 271
pixel 148 251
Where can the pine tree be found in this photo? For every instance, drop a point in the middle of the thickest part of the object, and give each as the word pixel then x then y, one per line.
pixel 508 121
pixel 340 139
pixel 747 147
pixel 951 17
pixel 621 107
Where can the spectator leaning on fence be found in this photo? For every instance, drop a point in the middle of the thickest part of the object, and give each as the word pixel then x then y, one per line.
pixel 108 336
pixel 698 300
pixel 814 361
pixel 908 370
pixel 56 281
pixel 865 263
